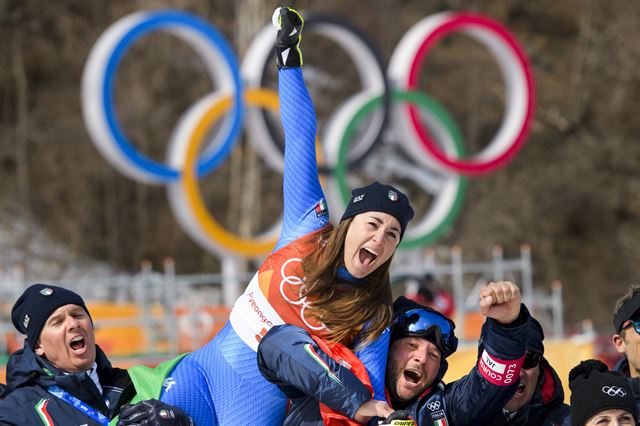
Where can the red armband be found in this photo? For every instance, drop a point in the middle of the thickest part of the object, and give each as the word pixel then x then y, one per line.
pixel 498 371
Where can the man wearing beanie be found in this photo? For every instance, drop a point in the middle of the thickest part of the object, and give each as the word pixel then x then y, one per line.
pixel 600 396
pixel 539 398
pixel 62 377
pixel 626 338
pixel 421 340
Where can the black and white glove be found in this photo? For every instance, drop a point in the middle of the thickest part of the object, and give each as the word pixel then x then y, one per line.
pixel 152 412
pixel 398 418
pixel 289 24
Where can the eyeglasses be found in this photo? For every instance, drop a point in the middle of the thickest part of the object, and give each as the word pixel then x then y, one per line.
pixel 423 323
pixel 531 359
pixel 634 323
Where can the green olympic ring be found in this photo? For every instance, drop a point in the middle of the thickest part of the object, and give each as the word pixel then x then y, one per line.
pixel 448 215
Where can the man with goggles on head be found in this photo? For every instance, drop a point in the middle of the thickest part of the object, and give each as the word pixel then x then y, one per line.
pixel 539 397
pixel 626 323
pixel 421 340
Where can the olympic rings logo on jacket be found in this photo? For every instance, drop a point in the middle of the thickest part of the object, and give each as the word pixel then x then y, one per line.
pixel 435 152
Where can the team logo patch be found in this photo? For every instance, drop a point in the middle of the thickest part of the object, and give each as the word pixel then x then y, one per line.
pixel 439 418
pixel 25 321
pixel 321 208
pixel 46 291
pixel 393 196
pixel 358 198
pixel 433 406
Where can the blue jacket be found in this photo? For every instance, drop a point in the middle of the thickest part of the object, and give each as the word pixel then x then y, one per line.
pixel 472 400
pixel 29 376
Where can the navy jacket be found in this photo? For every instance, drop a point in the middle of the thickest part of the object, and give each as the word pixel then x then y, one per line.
pixel 472 400
pixel 547 407
pixel 623 367
pixel 29 376
pixel 291 359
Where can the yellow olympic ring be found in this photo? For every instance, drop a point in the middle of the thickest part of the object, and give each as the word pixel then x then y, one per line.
pixel 189 183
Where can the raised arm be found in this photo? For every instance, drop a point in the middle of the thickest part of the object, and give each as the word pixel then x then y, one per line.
pixel 481 394
pixel 305 208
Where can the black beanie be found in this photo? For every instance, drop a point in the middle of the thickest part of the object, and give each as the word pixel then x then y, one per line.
pixel 594 389
pixel 377 197
pixel 33 308
pixel 535 336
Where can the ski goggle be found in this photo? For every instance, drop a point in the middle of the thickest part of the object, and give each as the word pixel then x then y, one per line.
pixel 531 359
pixel 426 323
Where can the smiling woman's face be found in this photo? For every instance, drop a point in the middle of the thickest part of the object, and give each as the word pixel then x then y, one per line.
pixel 371 240
pixel 67 339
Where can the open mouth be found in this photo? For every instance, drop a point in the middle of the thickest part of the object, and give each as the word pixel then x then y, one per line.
pixel 412 376
pixel 367 257
pixel 77 343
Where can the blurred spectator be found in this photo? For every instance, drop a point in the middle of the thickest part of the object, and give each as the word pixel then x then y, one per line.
pixel 600 396
pixel 432 294
pixel 539 398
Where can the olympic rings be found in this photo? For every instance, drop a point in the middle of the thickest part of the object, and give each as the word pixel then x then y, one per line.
pixel 101 68
pixel 448 202
pixel 185 197
pixel 515 69
pixel 434 167
pixel 368 62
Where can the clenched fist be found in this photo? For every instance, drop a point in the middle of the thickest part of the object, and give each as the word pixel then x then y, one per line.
pixel 500 301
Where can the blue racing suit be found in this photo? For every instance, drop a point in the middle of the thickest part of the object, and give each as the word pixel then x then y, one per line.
pixel 220 384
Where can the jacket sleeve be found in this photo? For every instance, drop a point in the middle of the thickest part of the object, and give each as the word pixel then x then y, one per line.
pixel 374 358
pixel 290 358
pixel 305 208
pixel 478 396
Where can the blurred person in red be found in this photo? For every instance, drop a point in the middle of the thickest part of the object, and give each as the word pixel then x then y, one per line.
pixel 432 294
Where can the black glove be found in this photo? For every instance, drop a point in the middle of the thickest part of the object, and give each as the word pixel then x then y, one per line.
pixel 289 24
pixel 152 412
pixel 399 418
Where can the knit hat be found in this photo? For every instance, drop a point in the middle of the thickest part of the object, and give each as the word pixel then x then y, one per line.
pixel 377 197
pixel 34 307
pixel 535 336
pixel 594 389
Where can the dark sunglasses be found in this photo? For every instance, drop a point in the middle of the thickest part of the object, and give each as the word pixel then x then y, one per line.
pixel 629 323
pixel 531 359
pixel 424 323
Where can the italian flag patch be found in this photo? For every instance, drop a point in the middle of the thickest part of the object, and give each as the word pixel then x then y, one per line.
pixel 440 422
pixel 41 409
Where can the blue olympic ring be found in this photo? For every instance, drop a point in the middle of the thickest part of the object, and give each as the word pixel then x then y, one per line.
pixel 155 21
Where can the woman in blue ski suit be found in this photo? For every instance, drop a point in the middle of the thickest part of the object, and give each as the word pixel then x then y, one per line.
pixel 331 282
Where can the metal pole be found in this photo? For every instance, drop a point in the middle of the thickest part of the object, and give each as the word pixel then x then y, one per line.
pixel 498 263
pixel 557 309
pixel 527 279
pixel 231 267
pixel 457 280
pixel 170 294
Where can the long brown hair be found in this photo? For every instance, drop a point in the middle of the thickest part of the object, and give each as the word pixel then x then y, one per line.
pixel 362 309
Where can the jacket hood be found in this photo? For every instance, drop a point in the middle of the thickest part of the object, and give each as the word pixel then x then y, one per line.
pixel 26 368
